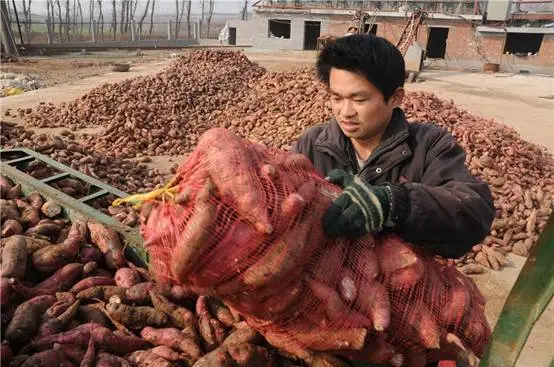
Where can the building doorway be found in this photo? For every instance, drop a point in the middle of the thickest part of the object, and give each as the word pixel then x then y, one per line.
pixel 436 43
pixel 232 36
pixel 311 34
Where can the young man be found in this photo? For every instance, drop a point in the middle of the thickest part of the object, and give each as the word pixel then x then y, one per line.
pixel 409 179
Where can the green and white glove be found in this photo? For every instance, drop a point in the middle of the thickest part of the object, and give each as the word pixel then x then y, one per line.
pixel 360 209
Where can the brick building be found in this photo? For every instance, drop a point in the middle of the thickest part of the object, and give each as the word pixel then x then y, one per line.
pixel 456 34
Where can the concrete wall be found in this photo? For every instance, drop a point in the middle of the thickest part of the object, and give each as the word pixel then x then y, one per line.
pixel 460 52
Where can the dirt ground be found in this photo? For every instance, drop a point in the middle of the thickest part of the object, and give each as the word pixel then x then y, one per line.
pixel 524 102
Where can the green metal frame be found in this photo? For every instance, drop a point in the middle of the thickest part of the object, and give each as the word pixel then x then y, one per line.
pixel 73 208
pixel 527 300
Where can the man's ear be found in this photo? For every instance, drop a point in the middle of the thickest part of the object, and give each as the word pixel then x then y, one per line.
pixel 397 97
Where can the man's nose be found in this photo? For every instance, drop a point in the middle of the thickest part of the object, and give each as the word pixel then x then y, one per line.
pixel 348 109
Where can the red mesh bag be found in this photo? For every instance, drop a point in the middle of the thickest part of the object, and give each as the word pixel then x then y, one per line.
pixel 243 223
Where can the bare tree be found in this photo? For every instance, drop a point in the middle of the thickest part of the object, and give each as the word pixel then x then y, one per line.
pixel 74 21
pixel 48 16
pixel 180 9
pixel 124 4
pixel 141 21
pixel 81 15
pixel 67 20
pixel 189 3
pixel 202 8
pixel 151 18
pixel 211 8
pixel 27 14
pixel 60 20
pixel 100 19
pixel 244 13
pixel 114 20
pixel 91 16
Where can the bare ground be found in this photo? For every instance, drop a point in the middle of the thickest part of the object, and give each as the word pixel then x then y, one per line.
pixel 523 102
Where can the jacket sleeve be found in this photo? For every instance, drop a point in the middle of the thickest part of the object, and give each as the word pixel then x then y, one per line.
pixel 449 210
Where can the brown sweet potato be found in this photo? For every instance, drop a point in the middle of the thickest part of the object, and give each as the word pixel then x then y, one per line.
pixel 401 266
pixel 6 353
pixel 62 279
pixel 242 333
pixel 35 199
pixel 15 192
pixel 145 358
pixel 172 338
pixel 89 359
pixel 179 316
pixel 45 228
pixel 89 253
pixel 249 355
pixel 58 323
pixel 373 300
pixel 193 241
pixel 51 209
pixel 50 259
pixel 33 244
pixel 5 185
pixel 114 343
pixel 169 354
pixel 14 258
pixel 323 340
pixel 23 324
pixel 139 293
pixel 109 360
pixel 212 332
pixel 9 210
pixel 217 358
pixel 11 227
pixel 87 314
pixel 220 312
pixel 29 215
pixel 107 240
pixel 126 277
pixel 47 358
pixel 90 282
pixel 89 268
pixel 5 291
pixel 136 317
pixel 103 292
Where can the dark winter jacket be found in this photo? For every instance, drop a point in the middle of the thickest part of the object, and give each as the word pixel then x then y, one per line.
pixel 437 203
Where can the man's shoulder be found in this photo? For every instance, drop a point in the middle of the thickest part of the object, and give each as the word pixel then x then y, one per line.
pixel 429 134
pixel 307 140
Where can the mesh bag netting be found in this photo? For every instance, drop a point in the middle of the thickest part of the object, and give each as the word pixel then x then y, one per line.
pixel 244 223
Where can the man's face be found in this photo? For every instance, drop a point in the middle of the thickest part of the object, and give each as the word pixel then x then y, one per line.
pixel 358 106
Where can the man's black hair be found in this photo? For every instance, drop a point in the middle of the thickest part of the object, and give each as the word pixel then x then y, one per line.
pixel 378 60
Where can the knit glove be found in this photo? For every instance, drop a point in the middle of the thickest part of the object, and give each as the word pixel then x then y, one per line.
pixel 360 209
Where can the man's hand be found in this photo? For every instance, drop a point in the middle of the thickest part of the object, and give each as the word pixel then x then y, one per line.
pixel 360 209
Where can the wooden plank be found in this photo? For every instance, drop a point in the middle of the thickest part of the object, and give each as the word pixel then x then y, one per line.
pixel 96 195
pixel 527 300
pixel 55 178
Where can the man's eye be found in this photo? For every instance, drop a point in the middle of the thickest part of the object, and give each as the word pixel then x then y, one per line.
pixel 336 98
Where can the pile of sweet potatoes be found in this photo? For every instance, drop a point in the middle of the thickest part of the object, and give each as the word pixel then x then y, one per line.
pixel 70 298
pixel 244 223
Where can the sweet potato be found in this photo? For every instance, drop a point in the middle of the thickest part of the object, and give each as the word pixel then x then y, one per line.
pixel 139 293
pixel 46 228
pixel 136 317
pixel 347 286
pixel 62 279
pixel 249 355
pixel 29 215
pixel 89 268
pixel 51 209
pixel 179 316
pixel 326 360
pixel 14 258
pixel 217 358
pixel 5 185
pixel 145 275
pixel 57 324
pixel 181 293
pixel 334 306
pixel 9 210
pixel 323 340
pixel 5 291
pixel 242 334
pixel 87 313
pixel 126 277
pixel 15 192
pixel 107 240
pixel 172 338
pixel 373 301
pixel 193 240
pixel 169 354
pixel 90 282
pixel 458 303
pixel 365 261
pixel 33 244
pixel 35 199
pixel 72 353
pixel 401 266
pixel 47 358
pixel 109 360
pixel 89 253
pixel 89 359
pixel 102 292
pixel 11 227
pixel 145 358
pixel 220 312
pixel 50 259
pixel 23 324
pixel 114 343
pixel 211 330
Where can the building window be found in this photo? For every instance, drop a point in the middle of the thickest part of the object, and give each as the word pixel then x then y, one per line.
pixel 279 28
pixel 523 44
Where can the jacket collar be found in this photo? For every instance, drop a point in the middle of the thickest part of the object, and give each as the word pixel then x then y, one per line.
pixel 333 141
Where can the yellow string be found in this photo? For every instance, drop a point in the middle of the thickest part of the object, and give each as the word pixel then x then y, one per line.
pixel 138 199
